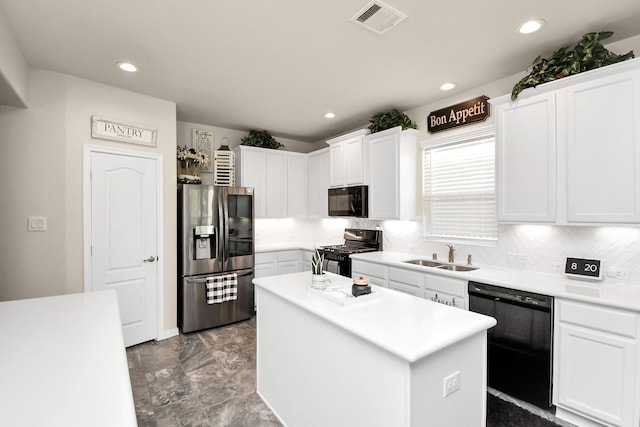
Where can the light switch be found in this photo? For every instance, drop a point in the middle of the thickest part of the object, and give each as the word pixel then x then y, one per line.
pixel 37 223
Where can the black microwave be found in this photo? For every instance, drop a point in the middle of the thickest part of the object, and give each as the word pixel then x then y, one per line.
pixel 349 201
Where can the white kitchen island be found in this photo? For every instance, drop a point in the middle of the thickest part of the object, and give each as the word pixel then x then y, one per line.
pixel 381 360
pixel 63 362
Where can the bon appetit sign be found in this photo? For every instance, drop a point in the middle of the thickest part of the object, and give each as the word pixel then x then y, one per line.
pixel 464 113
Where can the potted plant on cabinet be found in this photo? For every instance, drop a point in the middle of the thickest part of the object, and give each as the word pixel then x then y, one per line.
pixel 390 119
pixel 587 55
pixel 262 139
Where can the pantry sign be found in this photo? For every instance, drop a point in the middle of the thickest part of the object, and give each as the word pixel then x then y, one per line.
pixel 104 128
pixel 464 113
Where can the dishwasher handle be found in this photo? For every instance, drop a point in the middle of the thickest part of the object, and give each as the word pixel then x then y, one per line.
pixel 513 296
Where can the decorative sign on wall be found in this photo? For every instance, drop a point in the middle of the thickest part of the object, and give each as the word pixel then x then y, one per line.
pixel 202 141
pixel 464 113
pixel 104 128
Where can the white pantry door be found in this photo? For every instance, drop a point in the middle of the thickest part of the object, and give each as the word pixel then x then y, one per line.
pixel 123 239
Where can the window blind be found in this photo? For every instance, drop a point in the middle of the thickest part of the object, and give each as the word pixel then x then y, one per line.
pixel 459 194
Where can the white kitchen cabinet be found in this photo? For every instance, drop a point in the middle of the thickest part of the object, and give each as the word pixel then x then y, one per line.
pixel 278 262
pixel 289 261
pixel 251 171
pixel 392 181
pixel 526 159
pixel 276 166
pixel 318 183
pixel 307 255
pixel 596 364
pixel 602 119
pixel 446 290
pixel 265 264
pixel 407 281
pixel 297 185
pixel 347 159
pixel 568 151
pixel 377 273
pixel 279 179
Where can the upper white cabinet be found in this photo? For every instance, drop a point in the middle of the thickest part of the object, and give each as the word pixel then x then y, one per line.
pixel 568 151
pixel 526 159
pixel 392 178
pixel 602 119
pixel 297 185
pixel 318 183
pixel 251 171
pixel 346 159
pixel 279 179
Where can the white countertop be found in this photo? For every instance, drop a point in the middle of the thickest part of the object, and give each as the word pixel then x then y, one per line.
pixel 409 327
pixel 63 362
pixel 618 295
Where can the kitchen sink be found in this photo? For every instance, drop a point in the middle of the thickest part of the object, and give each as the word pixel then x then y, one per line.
pixel 424 262
pixel 453 267
pixel 436 264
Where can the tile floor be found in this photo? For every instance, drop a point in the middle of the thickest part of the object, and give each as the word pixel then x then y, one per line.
pixel 208 378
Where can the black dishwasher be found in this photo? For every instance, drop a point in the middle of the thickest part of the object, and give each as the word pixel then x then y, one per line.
pixel 519 347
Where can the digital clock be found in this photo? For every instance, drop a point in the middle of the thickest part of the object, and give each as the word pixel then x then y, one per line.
pixel 585 269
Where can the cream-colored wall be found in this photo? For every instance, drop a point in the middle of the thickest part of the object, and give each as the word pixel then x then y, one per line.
pixel 44 178
pixel 14 70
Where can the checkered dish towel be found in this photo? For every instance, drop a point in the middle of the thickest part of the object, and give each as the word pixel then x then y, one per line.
pixel 222 288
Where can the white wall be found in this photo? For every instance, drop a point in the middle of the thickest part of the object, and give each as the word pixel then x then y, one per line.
pixel 43 177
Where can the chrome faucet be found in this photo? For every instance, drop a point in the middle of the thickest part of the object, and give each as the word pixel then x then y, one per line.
pixel 452 249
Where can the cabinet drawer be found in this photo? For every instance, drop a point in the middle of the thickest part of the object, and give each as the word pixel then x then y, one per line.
pixel 405 276
pixel 447 285
pixel 288 255
pixel 265 257
pixel 411 289
pixel 370 268
pixel 596 317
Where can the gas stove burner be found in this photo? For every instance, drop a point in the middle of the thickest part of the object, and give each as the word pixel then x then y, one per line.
pixel 355 241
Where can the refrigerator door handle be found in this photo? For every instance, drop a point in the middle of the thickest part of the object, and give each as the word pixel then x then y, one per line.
pixel 220 255
pixel 225 223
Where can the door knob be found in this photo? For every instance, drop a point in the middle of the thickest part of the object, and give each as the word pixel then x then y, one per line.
pixel 150 259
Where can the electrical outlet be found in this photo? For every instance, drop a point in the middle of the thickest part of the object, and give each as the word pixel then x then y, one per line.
pixel 37 223
pixel 557 267
pixel 451 384
pixel 618 273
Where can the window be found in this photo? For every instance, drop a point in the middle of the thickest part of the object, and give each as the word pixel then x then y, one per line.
pixel 459 191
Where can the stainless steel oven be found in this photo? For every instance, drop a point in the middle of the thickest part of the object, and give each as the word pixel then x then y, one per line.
pixel 519 347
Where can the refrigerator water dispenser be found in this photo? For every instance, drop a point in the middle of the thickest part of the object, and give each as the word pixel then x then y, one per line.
pixel 204 240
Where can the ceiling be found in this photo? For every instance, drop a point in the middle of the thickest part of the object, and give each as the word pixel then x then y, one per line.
pixel 280 65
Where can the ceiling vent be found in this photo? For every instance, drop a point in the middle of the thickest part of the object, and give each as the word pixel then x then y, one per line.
pixel 378 17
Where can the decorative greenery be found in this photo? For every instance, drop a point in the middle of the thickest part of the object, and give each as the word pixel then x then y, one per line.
pixel 185 154
pixel 587 55
pixel 262 139
pixel 316 262
pixel 390 119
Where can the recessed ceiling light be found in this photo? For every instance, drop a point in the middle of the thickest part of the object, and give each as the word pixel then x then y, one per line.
pixel 127 66
pixel 531 26
pixel 329 115
pixel 447 86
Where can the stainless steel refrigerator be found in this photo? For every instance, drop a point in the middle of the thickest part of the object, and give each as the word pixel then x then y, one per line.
pixel 215 244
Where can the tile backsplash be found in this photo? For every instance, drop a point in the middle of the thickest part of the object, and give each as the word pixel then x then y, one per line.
pixel 540 248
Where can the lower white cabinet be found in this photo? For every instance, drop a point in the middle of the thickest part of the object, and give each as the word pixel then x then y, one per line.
pixel 377 273
pixel 407 281
pixel 596 364
pixel 446 290
pixel 434 287
pixel 277 262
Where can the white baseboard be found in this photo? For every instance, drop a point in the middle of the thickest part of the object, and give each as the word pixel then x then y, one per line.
pixel 168 334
